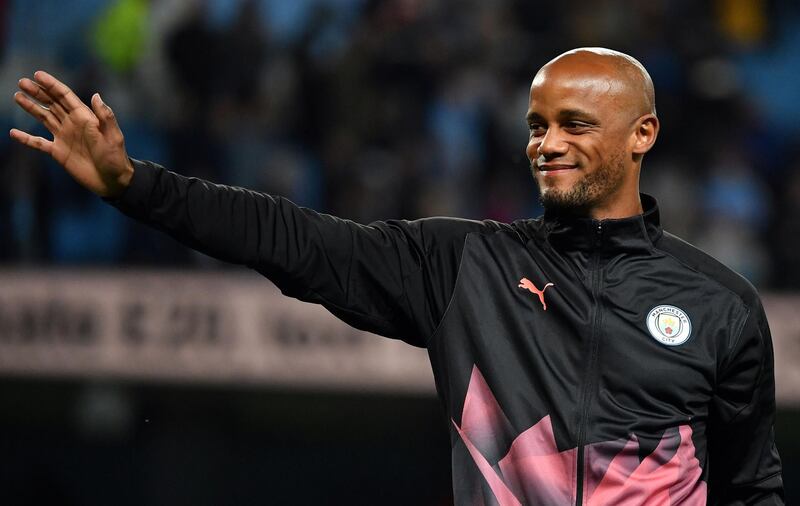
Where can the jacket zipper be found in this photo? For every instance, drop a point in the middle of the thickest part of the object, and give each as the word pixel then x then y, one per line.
pixel 594 345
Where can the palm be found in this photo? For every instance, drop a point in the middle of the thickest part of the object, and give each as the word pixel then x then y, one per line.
pixel 86 142
pixel 78 147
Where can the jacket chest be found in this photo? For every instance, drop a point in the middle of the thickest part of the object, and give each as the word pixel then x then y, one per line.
pixel 636 330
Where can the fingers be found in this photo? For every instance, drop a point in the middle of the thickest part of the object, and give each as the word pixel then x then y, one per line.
pixel 41 113
pixel 39 143
pixel 58 91
pixel 108 122
pixel 35 91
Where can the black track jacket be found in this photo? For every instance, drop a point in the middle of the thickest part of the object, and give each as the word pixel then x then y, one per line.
pixel 578 361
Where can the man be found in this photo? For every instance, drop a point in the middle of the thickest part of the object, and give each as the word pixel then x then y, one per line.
pixel 585 357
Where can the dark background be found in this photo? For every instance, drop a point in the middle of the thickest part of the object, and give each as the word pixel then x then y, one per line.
pixel 368 110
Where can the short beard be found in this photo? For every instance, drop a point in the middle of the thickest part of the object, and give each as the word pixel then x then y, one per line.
pixel 589 191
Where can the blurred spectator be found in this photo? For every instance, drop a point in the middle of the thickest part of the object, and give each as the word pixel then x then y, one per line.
pixel 120 34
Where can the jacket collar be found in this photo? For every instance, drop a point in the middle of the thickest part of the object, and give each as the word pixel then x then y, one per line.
pixel 633 233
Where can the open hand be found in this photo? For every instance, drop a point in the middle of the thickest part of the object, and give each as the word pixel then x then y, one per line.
pixel 87 142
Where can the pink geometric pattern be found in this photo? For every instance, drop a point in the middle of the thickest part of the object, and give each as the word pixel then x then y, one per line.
pixel 534 471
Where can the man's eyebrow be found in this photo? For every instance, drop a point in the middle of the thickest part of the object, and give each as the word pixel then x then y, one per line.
pixel 533 116
pixel 566 114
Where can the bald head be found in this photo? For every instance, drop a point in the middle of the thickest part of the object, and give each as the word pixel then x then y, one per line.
pixel 591 116
pixel 625 79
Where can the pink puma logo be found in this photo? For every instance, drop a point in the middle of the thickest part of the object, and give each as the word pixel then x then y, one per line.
pixel 526 284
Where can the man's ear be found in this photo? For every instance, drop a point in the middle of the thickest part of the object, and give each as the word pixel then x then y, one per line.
pixel 645 133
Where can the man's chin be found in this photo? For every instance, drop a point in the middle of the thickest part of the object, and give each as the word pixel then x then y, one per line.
pixel 569 203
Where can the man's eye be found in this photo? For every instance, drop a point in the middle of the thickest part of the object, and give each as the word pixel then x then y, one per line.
pixel 575 125
pixel 536 129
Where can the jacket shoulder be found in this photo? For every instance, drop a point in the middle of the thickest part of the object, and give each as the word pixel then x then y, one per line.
pixel 439 231
pixel 700 261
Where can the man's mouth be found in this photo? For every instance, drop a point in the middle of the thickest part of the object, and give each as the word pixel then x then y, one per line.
pixel 548 169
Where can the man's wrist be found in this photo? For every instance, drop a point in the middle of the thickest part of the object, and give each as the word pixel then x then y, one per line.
pixel 124 180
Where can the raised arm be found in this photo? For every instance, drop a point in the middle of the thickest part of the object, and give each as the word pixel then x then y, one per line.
pixel 392 278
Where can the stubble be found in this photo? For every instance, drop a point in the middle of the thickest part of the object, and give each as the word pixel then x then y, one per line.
pixel 588 192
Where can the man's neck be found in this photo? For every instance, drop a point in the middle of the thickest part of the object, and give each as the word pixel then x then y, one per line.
pixel 617 210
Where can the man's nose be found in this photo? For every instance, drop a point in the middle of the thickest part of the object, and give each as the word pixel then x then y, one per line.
pixel 553 144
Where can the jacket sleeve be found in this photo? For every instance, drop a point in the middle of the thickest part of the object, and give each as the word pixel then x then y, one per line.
pixel 393 278
pixel 745 467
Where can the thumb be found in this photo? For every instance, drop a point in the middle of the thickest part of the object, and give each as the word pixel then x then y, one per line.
pixel 108 122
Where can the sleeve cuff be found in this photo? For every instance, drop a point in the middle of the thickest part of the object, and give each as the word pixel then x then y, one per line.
pixel 137 194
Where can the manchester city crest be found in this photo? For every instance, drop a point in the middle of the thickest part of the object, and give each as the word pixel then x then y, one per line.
pixel 669 325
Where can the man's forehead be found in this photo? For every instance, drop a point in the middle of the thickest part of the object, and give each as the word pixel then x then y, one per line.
pixel 575 70
pixel 576 89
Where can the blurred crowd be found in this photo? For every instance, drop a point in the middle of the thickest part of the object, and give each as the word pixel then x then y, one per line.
pixel 377 109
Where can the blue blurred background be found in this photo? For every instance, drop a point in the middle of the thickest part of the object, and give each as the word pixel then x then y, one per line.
pixel 367 109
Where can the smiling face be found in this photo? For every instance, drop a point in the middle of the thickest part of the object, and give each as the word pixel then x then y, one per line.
pixel 591 118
